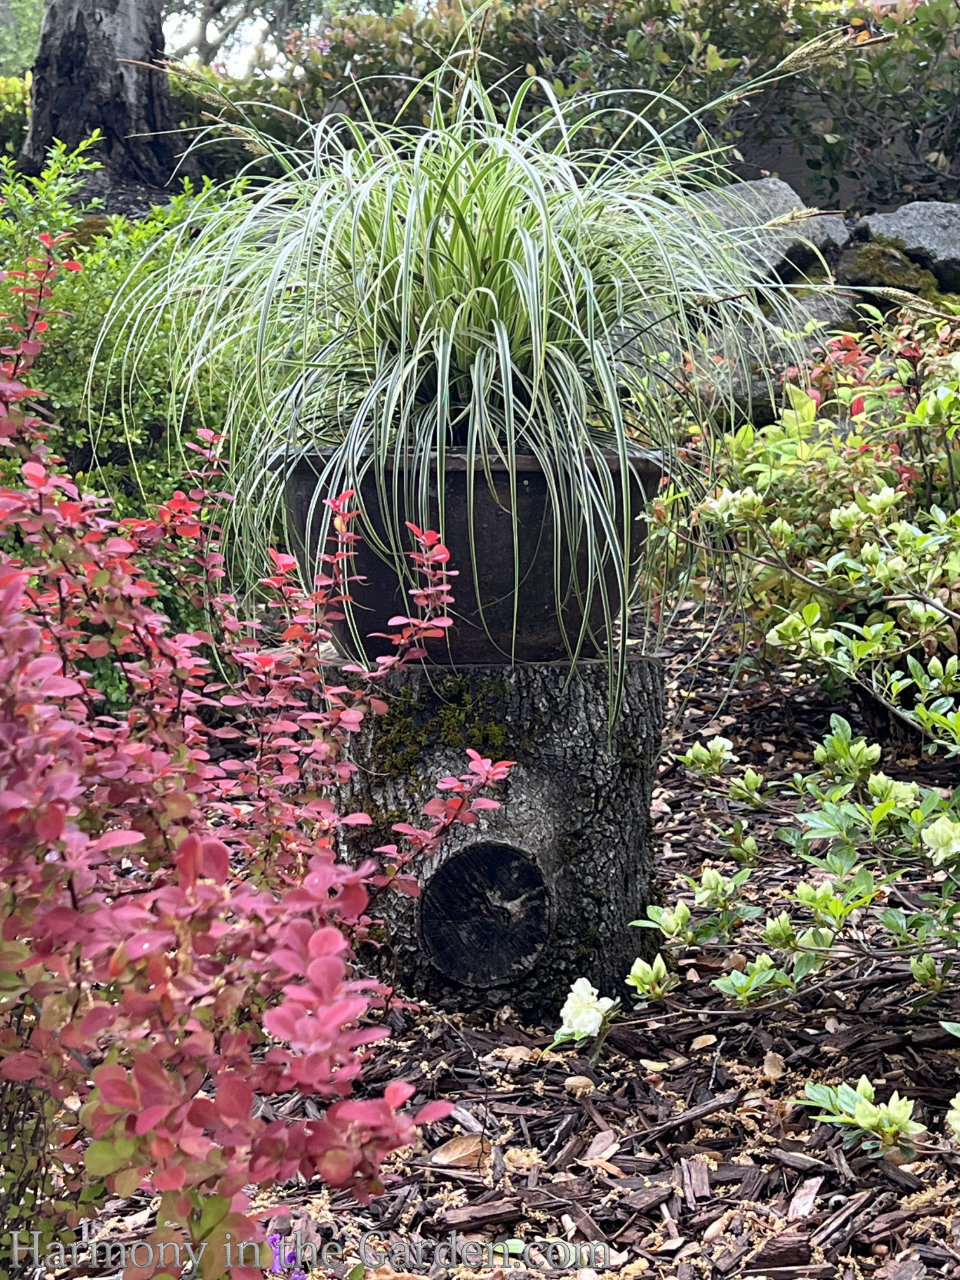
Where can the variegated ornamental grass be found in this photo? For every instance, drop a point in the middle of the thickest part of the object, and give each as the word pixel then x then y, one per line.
pixel 481 285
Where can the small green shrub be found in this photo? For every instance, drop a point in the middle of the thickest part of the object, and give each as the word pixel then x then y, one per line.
pixel 877 1128
pixel 846 514
pixel 132 458
pixel 14 109
pixel 878 896
pixel 651 981
pixel 881 882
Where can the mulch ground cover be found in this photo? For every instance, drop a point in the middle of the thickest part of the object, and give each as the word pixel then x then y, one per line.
pixel 682 1150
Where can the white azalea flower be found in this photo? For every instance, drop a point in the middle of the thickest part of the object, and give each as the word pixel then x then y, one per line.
pixel 903 794
pixel 584 1011
pixel 942 838
pixel 722 504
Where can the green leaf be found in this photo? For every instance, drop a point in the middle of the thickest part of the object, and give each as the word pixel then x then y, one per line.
pixel 713 61
pixel 127 1181
pixel 213 1211
pixel 848 1098
pixel 745 436
pixel 821 1095
pixel 804 407
pixel 811 613
pixel 106 1156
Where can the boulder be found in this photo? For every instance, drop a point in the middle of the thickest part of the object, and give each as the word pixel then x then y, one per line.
pixel 755 394
pixel 781 251
pixel 929 233
pixel 870 264
pixel 752 391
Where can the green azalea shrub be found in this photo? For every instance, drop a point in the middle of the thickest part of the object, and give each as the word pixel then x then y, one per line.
pixel 845 517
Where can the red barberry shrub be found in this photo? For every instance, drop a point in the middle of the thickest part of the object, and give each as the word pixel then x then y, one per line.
pixel 176 928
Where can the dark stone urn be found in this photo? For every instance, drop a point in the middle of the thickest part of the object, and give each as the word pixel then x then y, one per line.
pixel 496 589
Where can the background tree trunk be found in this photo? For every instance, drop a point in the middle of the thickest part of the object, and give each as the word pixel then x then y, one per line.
pixel 88 76
pixel 542 890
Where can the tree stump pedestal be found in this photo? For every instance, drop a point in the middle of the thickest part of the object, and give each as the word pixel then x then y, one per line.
pixel 541 891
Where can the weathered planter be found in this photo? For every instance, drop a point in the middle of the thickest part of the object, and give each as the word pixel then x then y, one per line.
pixel 542 890
pixel 488 599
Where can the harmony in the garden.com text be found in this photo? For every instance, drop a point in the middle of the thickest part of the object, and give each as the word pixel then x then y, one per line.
pixel 409 1254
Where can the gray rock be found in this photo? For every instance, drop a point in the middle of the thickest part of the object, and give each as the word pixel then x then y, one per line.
pixel 756 393
pixel 870 264
pixel 753 392
pixel 781 251
pixel 929 231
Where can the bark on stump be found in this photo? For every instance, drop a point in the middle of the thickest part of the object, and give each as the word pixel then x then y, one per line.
pixel 542 890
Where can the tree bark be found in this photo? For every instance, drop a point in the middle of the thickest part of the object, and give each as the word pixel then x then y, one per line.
pixel 96 69
pixel 542 891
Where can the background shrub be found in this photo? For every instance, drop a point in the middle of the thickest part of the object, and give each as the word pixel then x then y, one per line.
pixel 128 454
pixel 885 126
pixel 879 126
pixel 14 105
pixel 886 118
pixel 848 510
